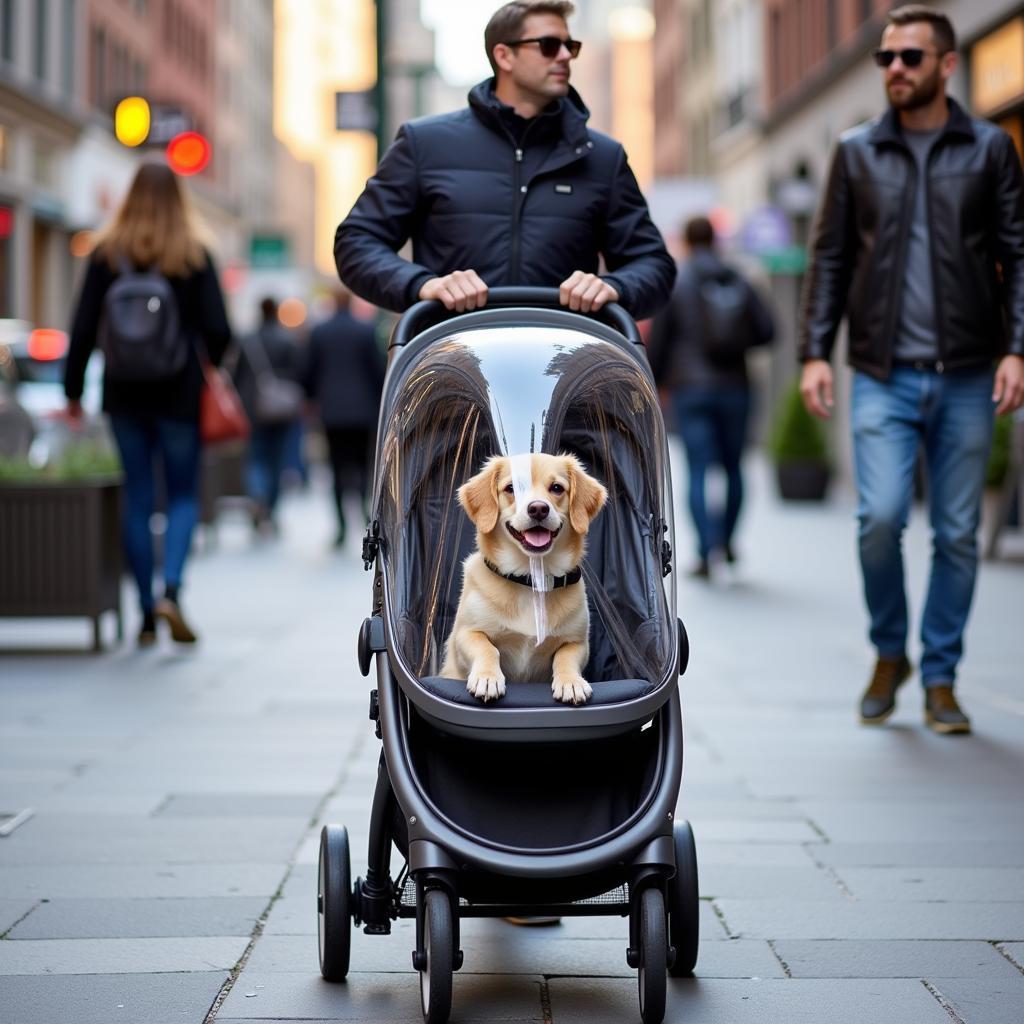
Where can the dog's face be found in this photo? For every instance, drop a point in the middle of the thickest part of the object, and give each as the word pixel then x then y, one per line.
pixel 550 518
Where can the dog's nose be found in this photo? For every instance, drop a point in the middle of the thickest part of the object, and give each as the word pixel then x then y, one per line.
pixel 537 510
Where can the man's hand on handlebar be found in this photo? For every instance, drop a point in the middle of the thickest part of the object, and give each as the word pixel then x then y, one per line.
pixel 586 292
pixel 460 290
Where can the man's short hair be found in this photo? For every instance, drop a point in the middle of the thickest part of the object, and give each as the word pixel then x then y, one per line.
pixel 507 22
pixel 942 27
pixel 699 233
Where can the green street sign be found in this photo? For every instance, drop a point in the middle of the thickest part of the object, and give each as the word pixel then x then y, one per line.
pixel 788 261
pixel 270 251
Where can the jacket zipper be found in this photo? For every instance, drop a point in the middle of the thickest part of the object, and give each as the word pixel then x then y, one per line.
pixel 517 211
pixel 936 299
pixel 908 206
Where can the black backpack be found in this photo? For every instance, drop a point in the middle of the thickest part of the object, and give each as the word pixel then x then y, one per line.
pixel 726 328
pixel 140 327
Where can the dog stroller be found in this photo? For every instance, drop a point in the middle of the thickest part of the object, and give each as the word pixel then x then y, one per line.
pixel 523 806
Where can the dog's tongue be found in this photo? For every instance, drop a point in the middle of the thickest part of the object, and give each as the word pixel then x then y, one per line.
pixel 538 537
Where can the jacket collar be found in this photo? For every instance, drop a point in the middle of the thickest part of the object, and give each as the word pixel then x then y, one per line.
pixel 567 117
pixel 887 128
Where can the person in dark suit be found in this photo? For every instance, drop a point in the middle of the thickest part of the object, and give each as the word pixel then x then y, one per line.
pixel 344 377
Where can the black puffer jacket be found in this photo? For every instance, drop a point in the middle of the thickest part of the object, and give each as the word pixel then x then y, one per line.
pixel 528 212
pixel 858 249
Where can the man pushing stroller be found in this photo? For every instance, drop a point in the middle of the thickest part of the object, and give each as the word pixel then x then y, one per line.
pixel 514 189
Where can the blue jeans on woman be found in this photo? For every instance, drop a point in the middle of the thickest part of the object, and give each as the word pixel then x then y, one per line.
pixel 140 439
pixel 713 424
pixel 952 414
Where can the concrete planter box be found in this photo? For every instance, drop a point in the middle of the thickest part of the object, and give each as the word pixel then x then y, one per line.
pixel 60 550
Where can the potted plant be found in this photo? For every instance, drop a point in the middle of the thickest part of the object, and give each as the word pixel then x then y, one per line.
pixel 799 447
pixel 60 536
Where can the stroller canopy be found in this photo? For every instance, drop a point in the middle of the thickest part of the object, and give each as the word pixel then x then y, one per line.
pixel 509 382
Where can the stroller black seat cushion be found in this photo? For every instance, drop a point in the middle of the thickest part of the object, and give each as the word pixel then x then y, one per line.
pixel 537 695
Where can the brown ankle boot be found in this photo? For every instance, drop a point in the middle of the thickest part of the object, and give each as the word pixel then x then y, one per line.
pixel 879 699
pixel 941 711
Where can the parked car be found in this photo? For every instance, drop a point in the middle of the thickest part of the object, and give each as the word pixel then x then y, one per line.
pixel 32 362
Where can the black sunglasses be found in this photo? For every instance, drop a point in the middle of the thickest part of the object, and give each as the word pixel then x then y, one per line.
pixel 551 46
pixel 910 57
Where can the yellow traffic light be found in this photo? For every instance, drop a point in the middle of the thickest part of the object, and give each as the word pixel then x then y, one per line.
pixel 131 121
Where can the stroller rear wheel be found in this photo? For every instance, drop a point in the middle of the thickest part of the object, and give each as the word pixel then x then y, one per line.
pixel 683 905
pixel 652 976
pixel 334 903
pixel 438 942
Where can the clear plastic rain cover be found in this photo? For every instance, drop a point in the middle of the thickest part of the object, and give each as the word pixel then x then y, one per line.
pixel 511 391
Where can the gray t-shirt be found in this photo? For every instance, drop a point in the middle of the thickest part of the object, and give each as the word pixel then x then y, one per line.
pixel 917 337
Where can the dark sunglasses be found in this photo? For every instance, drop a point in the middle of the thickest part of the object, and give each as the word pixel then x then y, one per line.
pixel 551 46
pixel 911 57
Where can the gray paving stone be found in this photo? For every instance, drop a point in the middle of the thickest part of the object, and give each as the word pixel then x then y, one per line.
pixel 111 999
pixel 953 853
pixel 983 1000
pixel 892 959
pixel 239 805
pixel 590 1001
pixel 750 882
pixel 755 831
pixel 975 884
pixel 64 840
pixel 377 997
pixel 13 910
pixel 980 819
pixel 791 919
pixel 145 918
pixel 1015 951
pixel 295 915
pixel 156 881
pixel 754 856
pixel 120 956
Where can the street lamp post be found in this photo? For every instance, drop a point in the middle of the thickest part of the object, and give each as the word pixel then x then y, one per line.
pixel 381 87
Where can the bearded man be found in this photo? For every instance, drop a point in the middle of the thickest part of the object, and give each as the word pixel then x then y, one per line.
pixel 919 242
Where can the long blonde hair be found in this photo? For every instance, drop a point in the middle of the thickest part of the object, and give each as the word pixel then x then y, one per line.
pixel 155 226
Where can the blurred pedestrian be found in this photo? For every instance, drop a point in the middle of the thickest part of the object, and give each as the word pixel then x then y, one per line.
pixel 514 190
pixel 920 241
pixel 267 375
pixel 344 376
pixel 698 351
pixel 152 300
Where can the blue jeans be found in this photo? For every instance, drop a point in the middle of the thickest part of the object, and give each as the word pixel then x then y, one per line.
pixel 140 439
pixel 713 424
pixel 268 450
pixel 952 414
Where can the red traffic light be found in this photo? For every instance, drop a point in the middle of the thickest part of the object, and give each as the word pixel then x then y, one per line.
pixel 188 153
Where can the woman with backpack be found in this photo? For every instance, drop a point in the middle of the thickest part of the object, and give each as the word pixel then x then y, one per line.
pixel 152 302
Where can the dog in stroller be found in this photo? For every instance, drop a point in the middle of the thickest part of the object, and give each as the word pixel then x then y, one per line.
pixel 520 378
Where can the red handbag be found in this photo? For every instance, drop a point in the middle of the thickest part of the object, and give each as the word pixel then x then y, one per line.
pixel 221 416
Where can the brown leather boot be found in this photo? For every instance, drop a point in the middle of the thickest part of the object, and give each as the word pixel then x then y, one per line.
pixel 941 711
pixel 879 699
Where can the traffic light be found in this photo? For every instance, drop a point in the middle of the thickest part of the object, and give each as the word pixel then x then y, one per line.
pixel 188 153
pixel 131 121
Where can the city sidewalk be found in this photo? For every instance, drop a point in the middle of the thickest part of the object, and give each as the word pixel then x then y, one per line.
pixel 859 876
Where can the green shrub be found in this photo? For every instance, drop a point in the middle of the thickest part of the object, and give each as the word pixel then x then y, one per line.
pixel 999 456
pixel 88 460
pixel 796 435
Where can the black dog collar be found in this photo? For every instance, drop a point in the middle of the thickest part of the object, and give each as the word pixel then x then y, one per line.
pixel 557 582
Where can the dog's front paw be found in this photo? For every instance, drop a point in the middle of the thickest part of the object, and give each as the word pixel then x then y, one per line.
pixel 485 685
pixel 571 689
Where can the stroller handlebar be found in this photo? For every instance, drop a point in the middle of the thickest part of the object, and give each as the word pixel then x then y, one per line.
pixel 422 315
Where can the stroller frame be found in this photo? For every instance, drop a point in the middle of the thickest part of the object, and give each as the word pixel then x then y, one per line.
pixel 644 869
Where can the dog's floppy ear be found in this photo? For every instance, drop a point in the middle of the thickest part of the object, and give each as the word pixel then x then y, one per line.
pixel 586 495
pixel 479 495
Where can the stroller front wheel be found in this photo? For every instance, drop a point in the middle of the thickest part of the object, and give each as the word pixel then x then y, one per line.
pixel 438 941
pixel 334 903
pixel 653 973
